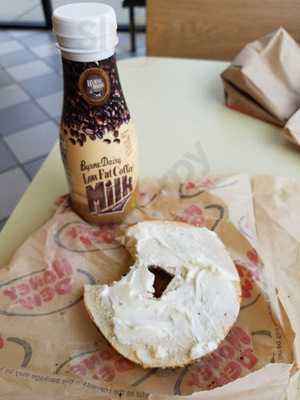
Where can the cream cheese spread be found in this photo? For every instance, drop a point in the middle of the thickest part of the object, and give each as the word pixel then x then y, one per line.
pixel 193 314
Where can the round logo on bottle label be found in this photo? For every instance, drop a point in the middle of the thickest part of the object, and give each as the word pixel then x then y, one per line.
pixel 94 85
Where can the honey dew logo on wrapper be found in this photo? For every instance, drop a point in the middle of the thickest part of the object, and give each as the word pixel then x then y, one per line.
pixel 98 141
pixel 44 291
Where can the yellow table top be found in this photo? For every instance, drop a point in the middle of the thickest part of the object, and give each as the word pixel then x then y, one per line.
pixel 184 130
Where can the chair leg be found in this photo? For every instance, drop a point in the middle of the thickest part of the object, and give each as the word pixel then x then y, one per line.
pixel 47 10
pixel 132 29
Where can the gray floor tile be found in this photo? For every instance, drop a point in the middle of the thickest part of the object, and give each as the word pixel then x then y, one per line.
pixel 124 43
pixel 37 39
pixel 123 55
pixel 43 85
pixel 45 50
pixel 29 70
pixel 2 223
pixel 54 61
pixel 5 78
pixel 141 51
pixel 33 167
pixel 5 36
pixel 20 32
pixel 33 142
pixel 12 95
pixel 10 46
pixel 16 10
pixel 15 183
pixel 7 160
pixel 34 13
pixel 16 58
pixel 20 117
pixel 52 104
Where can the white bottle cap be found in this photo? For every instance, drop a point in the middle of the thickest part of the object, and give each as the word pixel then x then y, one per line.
pixel 86 31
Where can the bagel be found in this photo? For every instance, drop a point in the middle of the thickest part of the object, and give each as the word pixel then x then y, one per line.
pixel 177 302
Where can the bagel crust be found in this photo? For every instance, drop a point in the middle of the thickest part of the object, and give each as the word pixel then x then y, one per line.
pixel 193 314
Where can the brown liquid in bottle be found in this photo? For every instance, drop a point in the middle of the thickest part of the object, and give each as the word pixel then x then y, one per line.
pixel 98 141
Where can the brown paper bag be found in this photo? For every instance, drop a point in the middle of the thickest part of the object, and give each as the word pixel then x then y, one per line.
pixel 263 80
pixel 50 347
pixel 292 128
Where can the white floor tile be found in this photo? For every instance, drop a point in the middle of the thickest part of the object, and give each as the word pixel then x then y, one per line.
pixel 45 50
pixel 12 95
pixel 23 10
pixel 33 14
pixel 122 13
pixel 52 104
pixel 33 142
pixel 29 70
pixel 13 184
pixel 14 10
pixel 21 33
pixel 10 46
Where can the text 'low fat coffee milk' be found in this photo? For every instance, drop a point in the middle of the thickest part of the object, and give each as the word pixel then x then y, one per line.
pixel 97 137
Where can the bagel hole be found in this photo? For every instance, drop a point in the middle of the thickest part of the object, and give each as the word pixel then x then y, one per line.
pixel 161 280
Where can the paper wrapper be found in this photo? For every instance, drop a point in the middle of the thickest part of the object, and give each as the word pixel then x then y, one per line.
pixel 292 128
pixel 263 81
pixel 49 347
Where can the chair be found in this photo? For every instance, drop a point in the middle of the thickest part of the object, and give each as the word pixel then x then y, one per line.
pixel 131 4
pixel 215 29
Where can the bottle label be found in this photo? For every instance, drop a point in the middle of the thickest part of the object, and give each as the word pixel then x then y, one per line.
pixel 98 141
pixel 102 173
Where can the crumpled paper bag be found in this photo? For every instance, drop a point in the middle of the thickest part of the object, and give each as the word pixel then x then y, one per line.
pixel 50 347
pixel 263 81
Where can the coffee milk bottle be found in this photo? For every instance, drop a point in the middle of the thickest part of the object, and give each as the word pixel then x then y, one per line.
pixel 97 137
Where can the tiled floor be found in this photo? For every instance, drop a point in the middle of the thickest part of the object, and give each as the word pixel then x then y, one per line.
pixel 31 10
pixel 30 107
